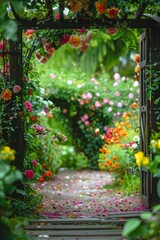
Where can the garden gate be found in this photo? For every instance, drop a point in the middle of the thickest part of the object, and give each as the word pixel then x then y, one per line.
pixel 149 54
pixel 149 51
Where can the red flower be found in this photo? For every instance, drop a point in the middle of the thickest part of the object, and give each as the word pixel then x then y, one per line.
pixel 29 174
pixel 65 39
pixel 41 179
pixel 113 12
pixel 101 7
pixel 33 118
pixel 29 33
pixel 47 174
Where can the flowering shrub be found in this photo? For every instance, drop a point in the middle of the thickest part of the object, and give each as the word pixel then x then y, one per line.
pixel 117 154
pixel 148 225
pixel 87 104
pixel 9 175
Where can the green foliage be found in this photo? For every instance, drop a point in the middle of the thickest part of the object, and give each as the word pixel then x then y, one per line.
pixel 131 183
pixel 148 226
pixel 72 160
pixel 9 176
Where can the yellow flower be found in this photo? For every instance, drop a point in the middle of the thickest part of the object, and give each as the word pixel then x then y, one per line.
pixel 7 154
pixel 145 161
pixel 116 124
pixel 139 156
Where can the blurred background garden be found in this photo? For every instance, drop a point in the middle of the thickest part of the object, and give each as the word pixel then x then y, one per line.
pixel 90 101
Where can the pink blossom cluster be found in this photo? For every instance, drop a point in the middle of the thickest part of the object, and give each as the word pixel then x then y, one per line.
pixel 85 99
pixel 130 145
pixel 49 50
pixel 85 119
pixel 28 106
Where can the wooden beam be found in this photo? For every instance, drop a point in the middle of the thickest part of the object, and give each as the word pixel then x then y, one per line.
pixel 155 18
pixel 140 10
pixel 87 23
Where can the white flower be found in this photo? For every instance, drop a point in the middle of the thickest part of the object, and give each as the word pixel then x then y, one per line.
pixel 134 146
pixel 136 138
pixel 69 82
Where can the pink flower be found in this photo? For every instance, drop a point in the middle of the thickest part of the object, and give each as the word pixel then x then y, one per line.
pixel 97 104
pixel 105 128
pixel 119 104
pixel 16 89
pixel 86 116
pixel 87 123
pixel 130 95
pixel 81 102
pixel 110 109
pixel 84 95
pixel 89 95
pixel 112 30
pixel 64 110
pixel 117 94
pixel 115 84
pixel 52 75
pixel 29 174
pixel 138 91
pixel 29 106
pixel 34 163
pixel 105 100
pixel 39 128
pixel 116 76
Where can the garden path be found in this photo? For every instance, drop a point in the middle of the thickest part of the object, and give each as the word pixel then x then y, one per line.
pixel 80 194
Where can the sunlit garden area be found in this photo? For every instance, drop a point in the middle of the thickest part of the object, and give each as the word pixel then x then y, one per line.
pixel 73 142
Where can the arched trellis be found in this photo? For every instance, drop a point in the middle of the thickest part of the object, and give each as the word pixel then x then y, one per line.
pixel 149 51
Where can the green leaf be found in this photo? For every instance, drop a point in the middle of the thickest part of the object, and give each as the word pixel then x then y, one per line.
pixel 156 208
pixel 4 169
pixel 12 177
pixel 18 6
pixel 11 30
pixel 130 226
pixel 146 215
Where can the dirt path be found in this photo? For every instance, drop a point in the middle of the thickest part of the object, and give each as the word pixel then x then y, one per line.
pixel 75 194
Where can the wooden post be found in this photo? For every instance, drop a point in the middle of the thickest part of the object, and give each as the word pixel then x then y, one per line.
pixel 154 109
pixel 17 133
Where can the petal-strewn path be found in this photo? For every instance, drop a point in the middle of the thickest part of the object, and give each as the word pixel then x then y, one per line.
pixel 73 194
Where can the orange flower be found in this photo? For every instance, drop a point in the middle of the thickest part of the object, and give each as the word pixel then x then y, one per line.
pixel 75 40
pixel 47 174
pixel 75 6
pixel 7 94
pixel 114 157
pixel 41 179
pixel 137 58
pixel 134 105
pixel 106 164
pixel 113 12
pixel 137 69
pixel 50 115
pixel 101 7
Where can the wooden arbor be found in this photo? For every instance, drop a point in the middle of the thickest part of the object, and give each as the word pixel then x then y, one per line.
pixel 149 51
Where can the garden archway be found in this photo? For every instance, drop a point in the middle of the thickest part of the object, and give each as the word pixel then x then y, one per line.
pixel 149 51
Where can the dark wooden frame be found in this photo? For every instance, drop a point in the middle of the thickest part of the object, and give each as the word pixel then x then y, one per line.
pixel 152 23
